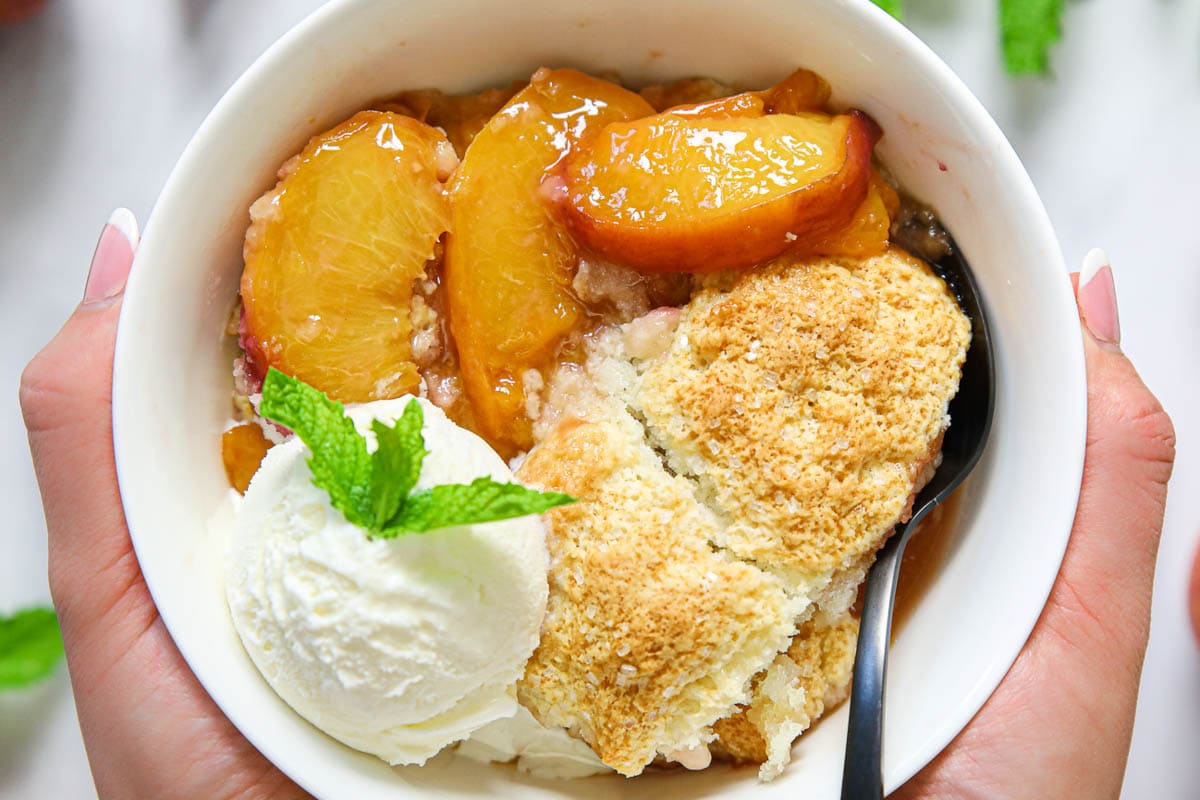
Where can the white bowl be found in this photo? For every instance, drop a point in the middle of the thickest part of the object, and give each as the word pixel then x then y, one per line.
pixel 172 374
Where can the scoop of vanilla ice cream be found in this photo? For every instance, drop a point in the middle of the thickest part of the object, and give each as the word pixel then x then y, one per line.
pixel 540 751
pixel 396 647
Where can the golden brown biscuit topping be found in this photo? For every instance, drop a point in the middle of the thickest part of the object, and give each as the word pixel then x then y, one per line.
pixel 804 399
pixel 735 473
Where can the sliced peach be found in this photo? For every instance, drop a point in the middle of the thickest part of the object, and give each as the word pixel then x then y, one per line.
pixel 868 233
pixel 688 91
pixel 803 90
pixel 509 262
pixel 242 450
pixel 681 192
pixel 332 253
pixel 461 116
pixel 746 104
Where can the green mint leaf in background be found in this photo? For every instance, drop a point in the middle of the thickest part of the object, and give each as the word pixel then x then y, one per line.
pixel 340 463
pixel 396 463
pixel 30 647
pixel 482 500
pixel 892 7
pixel 1028 28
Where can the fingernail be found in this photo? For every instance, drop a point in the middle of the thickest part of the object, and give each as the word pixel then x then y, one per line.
pixel 1098 298
pixel 113 257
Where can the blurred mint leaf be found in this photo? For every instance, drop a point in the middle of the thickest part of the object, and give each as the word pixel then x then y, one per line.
pixel 892 7
pixel 30 647
pixel 1028 28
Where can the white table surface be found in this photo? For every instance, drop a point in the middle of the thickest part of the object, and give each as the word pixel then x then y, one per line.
pixel 99 97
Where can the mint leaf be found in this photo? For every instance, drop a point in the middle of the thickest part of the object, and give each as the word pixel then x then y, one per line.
pixel 1028 28
pixel 482 500
pixel 372 489
pixel 30 647
pixel 340 463
pixel 892 7
pixel 396 463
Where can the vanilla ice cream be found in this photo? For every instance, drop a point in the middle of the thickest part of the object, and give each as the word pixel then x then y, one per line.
pixel 542 752
pixel 397 647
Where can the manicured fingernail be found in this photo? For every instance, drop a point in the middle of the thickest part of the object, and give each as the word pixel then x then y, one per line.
pixel 113 257
pixel 1098 298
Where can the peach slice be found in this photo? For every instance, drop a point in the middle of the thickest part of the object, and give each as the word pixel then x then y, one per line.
pixel 688 91
pixel 803 90
pixel 746 104
pixel 717 186
pixel 868 233
pixel 332 253
pixel 509 261
pixel 461 116
pixel 242 450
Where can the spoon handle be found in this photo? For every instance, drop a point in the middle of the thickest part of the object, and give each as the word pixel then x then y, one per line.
pixel 862 771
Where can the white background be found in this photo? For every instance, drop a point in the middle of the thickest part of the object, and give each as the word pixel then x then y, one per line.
pixel 97 100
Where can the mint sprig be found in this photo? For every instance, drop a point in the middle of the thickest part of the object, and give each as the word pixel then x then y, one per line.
pixel 397 462
pixel 374 490
pixel 339 462
pixel 892 7
pixel 482 500
pixel 30 647
pixel 1028 28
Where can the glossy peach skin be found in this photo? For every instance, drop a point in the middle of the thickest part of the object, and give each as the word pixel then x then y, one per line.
pixel 461 116
pixel 333 251
pixel 510 262
pixel 803 90
pixel 868 232
pixel 722 185
pixel 242 450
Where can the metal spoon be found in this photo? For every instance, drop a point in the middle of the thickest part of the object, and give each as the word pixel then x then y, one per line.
pixel 971 420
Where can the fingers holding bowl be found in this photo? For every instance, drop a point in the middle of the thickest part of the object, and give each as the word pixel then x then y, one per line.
pixel 66 402
pixel 1131 440
pixel 1071 694
pixel 13 11
pixel 1194 596
pixel 1104 587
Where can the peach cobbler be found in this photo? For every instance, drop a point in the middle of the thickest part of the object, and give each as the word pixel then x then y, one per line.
pixel 682 307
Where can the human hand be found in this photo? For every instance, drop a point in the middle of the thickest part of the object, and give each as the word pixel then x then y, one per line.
pixel 149 728
pixel 17 10
pixel 1194 596
pixel 1058 725
pixel 1060 722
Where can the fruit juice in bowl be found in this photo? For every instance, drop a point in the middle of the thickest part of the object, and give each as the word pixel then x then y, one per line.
pixel 340 62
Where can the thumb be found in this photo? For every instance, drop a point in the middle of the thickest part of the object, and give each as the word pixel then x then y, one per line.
pixel 1108 572
pixel 1194 596
pixel 66 401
